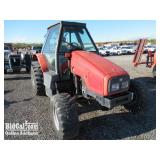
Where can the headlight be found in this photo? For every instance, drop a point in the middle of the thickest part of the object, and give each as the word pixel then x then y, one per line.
pixel 115 87
pixel 118 84
pixel 125 84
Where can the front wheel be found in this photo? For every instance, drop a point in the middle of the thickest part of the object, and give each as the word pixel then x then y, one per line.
pixel 139 97
pixel 64 116
pixel 37 79
pixel 118 53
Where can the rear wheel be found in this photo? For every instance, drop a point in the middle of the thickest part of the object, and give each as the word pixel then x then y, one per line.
pixel 139 98
pixel 64 116
pixel 37 79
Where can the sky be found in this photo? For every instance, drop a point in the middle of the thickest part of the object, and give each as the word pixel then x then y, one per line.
pixel 33 31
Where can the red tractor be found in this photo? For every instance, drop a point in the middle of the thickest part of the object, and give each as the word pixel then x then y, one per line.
pixel 70 67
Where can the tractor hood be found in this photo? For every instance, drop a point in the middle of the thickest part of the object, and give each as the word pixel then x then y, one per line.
pixel 101 64
pixel 96 71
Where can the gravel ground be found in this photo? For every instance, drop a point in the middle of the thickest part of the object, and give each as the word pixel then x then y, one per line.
pixel 95 123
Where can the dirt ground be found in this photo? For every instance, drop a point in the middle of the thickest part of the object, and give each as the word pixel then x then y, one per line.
pixel 117 123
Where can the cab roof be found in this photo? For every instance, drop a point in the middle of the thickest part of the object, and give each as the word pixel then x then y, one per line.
pixel 67 23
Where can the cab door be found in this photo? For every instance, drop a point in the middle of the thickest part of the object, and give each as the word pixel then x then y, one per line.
pixel 50 47
pixel 68 37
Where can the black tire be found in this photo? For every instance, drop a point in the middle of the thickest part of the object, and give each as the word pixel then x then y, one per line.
pixel 27 60
pixel 138 103
pixel 118 53
pixel 154 72
pixel 28 69
pixel 37 79
pixel 64 116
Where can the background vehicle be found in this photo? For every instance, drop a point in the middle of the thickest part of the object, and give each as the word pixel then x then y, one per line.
pixel 103 51
pixel 35 50
pixel 116 50
pixel 151 48
pixel 70 67
pixel 128 50
pixel 7 52
pixel 109 50
pixel 13 61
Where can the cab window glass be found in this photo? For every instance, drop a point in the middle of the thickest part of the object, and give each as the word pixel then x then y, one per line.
pixel 75 38
pixel 49 48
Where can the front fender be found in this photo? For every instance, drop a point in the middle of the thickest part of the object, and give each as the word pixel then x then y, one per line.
pixel 42 61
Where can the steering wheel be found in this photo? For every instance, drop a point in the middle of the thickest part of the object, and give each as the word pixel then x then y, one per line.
pixel 73 44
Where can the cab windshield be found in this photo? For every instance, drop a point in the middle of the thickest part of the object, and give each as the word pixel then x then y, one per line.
pixel 75 38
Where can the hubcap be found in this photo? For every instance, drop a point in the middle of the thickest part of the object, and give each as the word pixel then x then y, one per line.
pixel 33 82
pixel 56 119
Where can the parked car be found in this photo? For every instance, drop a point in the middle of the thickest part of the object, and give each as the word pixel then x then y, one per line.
pixel 151 48
pixel 128 49
pixel 104 51
pixel 116 51
pixel 109 50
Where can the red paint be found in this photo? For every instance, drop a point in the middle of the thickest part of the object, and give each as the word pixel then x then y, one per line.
pixel 95 71
pixel 154 59
pixel 42 61
pixel 139 52
pixel 68 55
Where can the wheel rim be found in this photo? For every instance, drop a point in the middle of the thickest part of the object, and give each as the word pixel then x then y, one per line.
pixel 56 119
pixel 33 82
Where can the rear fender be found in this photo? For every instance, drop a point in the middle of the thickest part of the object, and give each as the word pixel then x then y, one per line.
pixel 42 61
